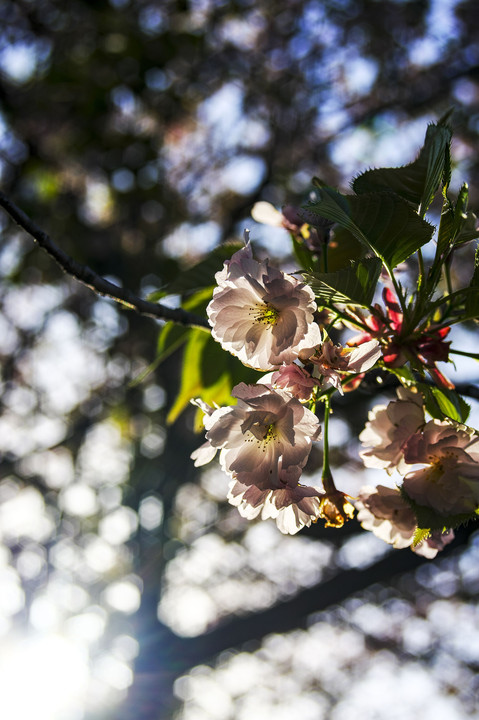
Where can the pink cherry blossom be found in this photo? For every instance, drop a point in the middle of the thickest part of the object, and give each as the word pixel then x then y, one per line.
pixel 295 380
pixel 260 314
pixel 448 482
pixel 389 428
pixel 265 439
pixel 293 507
pixel 385 513
pixel 333 362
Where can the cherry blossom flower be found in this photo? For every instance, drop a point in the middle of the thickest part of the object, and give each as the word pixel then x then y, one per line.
pixel 295 380
pixel 265 439
pixel 333 362
pixel 389 428
pixel 260 314
pixel 449 481
pixel 293 507
pixel 385 513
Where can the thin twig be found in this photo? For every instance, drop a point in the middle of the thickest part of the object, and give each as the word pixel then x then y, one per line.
pixel 92 280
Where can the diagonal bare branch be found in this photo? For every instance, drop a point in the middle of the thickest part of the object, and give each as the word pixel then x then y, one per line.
pixel 95 282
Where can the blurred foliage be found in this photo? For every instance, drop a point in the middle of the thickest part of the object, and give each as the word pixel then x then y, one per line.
pixel 139 135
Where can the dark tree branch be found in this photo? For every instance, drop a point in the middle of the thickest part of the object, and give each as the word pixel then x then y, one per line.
pixel 95 282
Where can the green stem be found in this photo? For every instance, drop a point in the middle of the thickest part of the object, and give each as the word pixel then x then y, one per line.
pixel 398 293
pixel 474 356
pixel 326 474
pixel 421 269
pixel 447 274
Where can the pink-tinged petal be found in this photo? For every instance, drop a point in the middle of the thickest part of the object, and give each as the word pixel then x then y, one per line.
pixel 261 315
pixel 295 380
pixel 437 541
pixel 385 513
pixel 292 508
pixel 204 454
pixel 364 357
pixel 265 440
pixel 388 430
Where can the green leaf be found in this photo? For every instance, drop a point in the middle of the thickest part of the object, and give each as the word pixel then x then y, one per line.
pixel 469 229
pixel 172 336
pixel 305 258
pixel 342 248
pixel 354 285
pixel 472 297
pixel 420 535
pixel 419 181
pixel 428 519
pixel 385 223
pixel 201 275
pixel 442 403
pixel 208 372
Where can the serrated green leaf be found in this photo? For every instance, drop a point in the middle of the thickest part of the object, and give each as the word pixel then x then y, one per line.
pixel 343 247
pixel 354 285
pixel 201 275
pixel 442 403
pixel 419 181
pixel 428 519
pixel 385 223
pixel 469 230
pixel 420 535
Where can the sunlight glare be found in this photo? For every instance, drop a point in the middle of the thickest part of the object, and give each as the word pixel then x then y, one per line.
pixel 43 677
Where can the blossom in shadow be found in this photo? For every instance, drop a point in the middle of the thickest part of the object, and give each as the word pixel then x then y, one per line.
pixel 388 429
pixel 448 481
pixel 333 363
pixel 386 513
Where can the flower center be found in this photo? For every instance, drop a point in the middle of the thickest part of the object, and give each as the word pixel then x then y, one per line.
pixel 266 314
pixel 262 434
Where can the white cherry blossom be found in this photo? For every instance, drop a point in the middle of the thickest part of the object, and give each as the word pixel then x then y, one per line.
pixel 265 439
pixel 260 314
pixel 384 512
pixel 293 507
pixel 448 482
pixel 389 428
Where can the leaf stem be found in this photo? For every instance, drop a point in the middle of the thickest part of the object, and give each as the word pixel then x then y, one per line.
pixel 399 294
pixel 327 409
pixel 421 269
pixel 474 356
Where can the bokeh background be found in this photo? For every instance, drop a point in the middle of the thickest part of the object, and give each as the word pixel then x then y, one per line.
pixel 139 135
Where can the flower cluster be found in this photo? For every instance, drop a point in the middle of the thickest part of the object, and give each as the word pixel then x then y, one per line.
pixel 267 319
pixel 289 326
pixel 270 321
pixel 439 462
